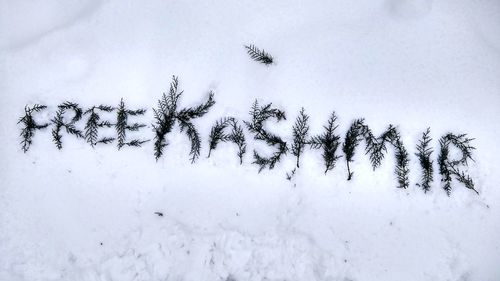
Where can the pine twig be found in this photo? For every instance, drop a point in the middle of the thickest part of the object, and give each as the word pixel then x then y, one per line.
pixel 59 122
pixel 449 168
pixel 356 133
pixel 166 114
pixel 122 125
pixel 329 142
pixel 93 124
pixel 402 170
pixel 30 125
pixel 300 133
pixel 424 156
pixel 236 136
pixel 259 115
pixel 259 55
pixel 376 147
pixel 185 116
pixel 217 134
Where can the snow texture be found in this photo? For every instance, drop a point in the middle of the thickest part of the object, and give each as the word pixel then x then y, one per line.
pixel 86 213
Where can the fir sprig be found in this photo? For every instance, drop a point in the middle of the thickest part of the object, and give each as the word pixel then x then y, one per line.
pixel 329 142
pixel 194 137
pixel 402 170
pixel 236 136
pixel 166 114
pixel 424 152
pixel 356 133
pixel 135 142
pixel 259 55
pixel 105 140
pixel 217 134
pixel 449 168
pixel 259 115
pixel 185 116
pixel 462 177
pixel 122 125
pixel 300 132
pixel 93 124
pixel 375 148
pixel 30 125
pixel 59 122
pixel 189 113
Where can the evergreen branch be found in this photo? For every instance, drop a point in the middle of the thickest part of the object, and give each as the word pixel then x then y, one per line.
pixel 463 144
pixel 443 163
pixel 194 137
pixel 271 161
pixel 59 122
pixel 173 95
pixel 56 137
pixel 135 127
pixel 402 170
pixel 91 127
pixel 259 55
pixel 185 116
pixel 262 162
pixel 376 147
pixel 71 129
pixel 447 167
pixel 122 125
pixel 189 113
pixel 136 112
pixel 260 114
pixel 106 108
pixel 217 134
pixel 30 125
pixel 106 124
pixel 75 107
pixel 93 124
pixel 357 132
pixel 238 138
pixel 135 142
pixel 424 154
pixel 329 142
pixel 300 133
pixel 105 140
pixel 351 141
pixel 166 115
pixel 463 178
pixel 164 123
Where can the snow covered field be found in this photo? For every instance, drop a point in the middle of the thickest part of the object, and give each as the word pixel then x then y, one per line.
pixel 86 213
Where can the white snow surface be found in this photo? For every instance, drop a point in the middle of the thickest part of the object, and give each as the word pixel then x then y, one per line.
pixel 86 213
